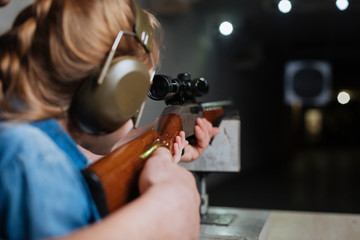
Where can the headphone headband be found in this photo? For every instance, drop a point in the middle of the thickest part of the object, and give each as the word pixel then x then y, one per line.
pixel 142 27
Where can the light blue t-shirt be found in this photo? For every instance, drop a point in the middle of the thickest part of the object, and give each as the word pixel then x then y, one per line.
pixel 42 191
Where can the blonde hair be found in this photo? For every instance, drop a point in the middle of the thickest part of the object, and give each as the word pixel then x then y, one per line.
pixel 53 46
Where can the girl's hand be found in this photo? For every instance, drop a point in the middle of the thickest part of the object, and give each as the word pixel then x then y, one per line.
pixel 179 145
pixel 204 132
pixel 176 195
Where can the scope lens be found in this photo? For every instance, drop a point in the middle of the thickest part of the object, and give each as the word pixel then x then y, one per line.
pixel 160 87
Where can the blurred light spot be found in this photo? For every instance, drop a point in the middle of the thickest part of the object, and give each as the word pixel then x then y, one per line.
pixel 342 4
pixel 313 121
pixel 343 97
pixel 284 6
pixel 226 28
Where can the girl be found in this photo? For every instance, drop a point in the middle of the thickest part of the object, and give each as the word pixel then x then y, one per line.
pixel 54 47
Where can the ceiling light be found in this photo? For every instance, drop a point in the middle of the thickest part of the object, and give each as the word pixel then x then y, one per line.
pixel 226 28
pixel 343 97
pixel 285 6
pixel 342 4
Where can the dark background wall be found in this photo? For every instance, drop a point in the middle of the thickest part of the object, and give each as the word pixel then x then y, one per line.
pixel 282 165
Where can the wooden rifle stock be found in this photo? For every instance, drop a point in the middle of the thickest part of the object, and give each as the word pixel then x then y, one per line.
pixel 113 180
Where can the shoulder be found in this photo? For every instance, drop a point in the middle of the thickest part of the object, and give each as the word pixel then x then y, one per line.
pixel 38 181
pixel 28 153
pixel 22 141
pixel 13 132
pixel 29 150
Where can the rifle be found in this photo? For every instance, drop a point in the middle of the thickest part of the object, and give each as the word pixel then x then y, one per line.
pixel 113 180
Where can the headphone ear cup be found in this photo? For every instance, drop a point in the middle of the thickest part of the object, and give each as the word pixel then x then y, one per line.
pixel 103 108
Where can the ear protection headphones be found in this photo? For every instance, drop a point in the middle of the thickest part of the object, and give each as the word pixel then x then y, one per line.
pixel 118 92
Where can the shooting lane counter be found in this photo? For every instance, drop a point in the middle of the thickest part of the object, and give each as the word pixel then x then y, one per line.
pixel 224 223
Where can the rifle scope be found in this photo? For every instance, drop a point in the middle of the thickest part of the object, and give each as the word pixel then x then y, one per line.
pixel 177 90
